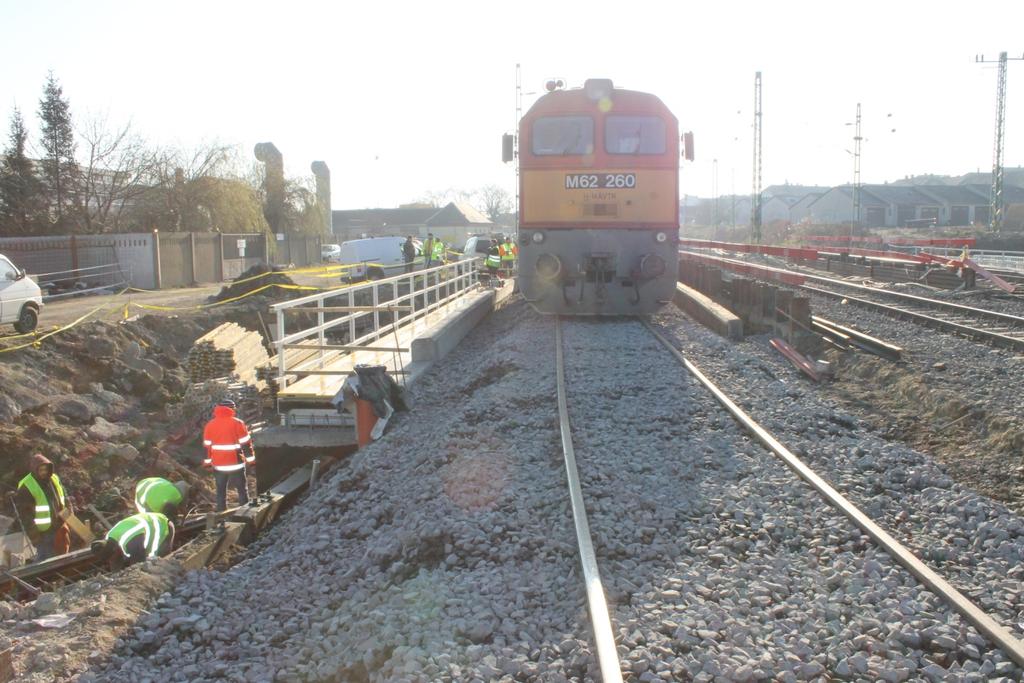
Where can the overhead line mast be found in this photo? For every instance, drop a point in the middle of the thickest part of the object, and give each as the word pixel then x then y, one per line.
pixel 996 205
pixel 755 203
pixel 857 140
pixel 519 116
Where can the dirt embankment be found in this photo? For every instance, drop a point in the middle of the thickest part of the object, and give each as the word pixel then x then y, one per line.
pixel 982 448
pixel 102 401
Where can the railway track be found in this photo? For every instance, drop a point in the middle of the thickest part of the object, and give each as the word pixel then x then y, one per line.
pixel 993 327
pixel 683 491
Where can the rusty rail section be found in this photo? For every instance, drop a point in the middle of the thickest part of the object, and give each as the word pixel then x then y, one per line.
pixel 985 624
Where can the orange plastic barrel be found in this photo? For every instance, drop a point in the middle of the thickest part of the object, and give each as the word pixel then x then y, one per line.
pixel 365 421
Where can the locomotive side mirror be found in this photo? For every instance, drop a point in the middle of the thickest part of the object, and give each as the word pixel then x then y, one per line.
pixel 507 147
pixel 688 146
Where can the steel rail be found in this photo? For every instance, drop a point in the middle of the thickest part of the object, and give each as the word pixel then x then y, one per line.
pixel 607 655
pixel 924 301
pixel 1016 343
pixel 921 300
pixel 986 625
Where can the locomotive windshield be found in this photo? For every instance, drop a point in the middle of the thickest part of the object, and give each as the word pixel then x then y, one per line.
pixel 634 135
pixel 563 135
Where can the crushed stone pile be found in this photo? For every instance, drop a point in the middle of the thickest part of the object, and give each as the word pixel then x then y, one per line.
pixel 250 281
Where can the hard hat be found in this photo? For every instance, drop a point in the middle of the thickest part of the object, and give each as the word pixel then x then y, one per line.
pixel 227 402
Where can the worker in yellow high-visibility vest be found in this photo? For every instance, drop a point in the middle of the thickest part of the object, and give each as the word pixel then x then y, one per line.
pixel 508 252
pixel 43 508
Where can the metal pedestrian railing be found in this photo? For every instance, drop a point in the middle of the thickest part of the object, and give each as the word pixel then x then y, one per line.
pixel 83 280
pixel 353 318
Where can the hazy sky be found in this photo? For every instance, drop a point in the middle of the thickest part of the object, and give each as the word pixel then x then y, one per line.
pixel 403 98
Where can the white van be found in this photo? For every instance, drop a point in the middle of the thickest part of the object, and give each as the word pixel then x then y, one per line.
pixel 20 298
pixel 374 257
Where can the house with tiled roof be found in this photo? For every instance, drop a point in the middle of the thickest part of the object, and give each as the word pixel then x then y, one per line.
pixel 453 222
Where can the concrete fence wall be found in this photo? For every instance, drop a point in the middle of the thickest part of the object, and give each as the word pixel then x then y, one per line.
pixel 154 260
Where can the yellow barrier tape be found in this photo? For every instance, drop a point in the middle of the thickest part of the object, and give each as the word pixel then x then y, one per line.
pixel 37 342
pixel 197 307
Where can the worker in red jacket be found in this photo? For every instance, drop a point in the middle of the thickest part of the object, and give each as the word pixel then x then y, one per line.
pixel 228 451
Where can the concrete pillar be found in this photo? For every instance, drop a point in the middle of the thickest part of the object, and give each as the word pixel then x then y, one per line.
pixel 768 303
pixel 782 299
pixel 800 318
pixel 157 280
pixel 220 257
pixel 273 183
pixel 74 254
pixel 323 193
pixel 192 255
pixel 714 289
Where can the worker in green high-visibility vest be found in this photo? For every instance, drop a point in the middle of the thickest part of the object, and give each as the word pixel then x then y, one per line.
pixel 156 494
pixel 144 535
pixel 43 508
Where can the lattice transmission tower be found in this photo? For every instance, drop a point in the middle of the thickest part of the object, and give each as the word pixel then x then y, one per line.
pixel 996 207
pixel 755 199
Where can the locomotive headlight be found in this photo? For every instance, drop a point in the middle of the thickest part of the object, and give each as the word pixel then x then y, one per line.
pixel 537 237
pixel 548 266
pixel 652 266
pixel 660 237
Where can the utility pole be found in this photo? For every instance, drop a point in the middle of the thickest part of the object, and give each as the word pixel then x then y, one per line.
pixel 732 195
pixel 714 195
pixel 755 200
pixel 996 207
pixel 515 147
pixel 857 139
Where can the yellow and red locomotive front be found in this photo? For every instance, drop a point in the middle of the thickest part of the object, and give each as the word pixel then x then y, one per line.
pixel 599 201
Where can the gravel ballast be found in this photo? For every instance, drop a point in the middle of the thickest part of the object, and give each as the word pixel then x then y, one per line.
pixel 446 551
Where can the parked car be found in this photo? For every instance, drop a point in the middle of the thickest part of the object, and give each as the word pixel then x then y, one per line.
pixel 374 257
pixel 20 298
pixel 330 252
pixel 476 247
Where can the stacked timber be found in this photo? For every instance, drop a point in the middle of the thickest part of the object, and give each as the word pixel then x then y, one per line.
pixel 229 350
pixel 200 398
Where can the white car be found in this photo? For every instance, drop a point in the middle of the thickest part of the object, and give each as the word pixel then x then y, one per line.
pixel 374 257
pixel 20 298
pixel 330 252
pixel 476 247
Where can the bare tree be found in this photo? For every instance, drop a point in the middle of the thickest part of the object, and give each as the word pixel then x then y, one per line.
pixel 495 200
pixel 116 170
pixel 440 198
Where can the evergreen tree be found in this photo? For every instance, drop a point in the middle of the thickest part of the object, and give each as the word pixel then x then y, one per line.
pixel 21 192
pixel 60 171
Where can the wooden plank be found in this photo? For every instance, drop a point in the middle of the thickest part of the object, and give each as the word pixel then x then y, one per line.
pixel 79 528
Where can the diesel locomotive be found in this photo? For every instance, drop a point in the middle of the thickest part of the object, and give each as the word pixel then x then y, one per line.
pixel 599 201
